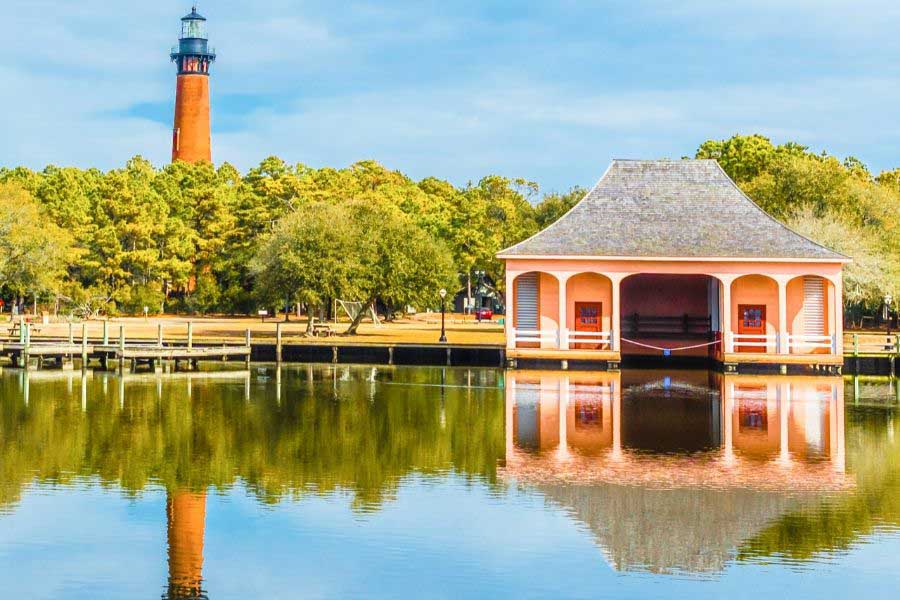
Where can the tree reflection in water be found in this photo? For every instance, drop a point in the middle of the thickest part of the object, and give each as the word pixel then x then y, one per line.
pixel 671 472
pixel 321 430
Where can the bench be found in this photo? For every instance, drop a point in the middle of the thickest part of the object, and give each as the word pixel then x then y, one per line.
pixel 322 330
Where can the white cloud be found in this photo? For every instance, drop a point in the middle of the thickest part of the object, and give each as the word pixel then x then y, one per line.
pixel 456 90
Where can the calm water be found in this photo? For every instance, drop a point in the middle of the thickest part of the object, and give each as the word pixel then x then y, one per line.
pixel 433 483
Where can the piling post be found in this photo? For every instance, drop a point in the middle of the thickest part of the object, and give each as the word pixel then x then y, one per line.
pixel 190 334
pixel 121 348
pixel 249 349
pixel 84 352
pixel 26 342
pixel 896 355
pixel 278 343
pixel 856 352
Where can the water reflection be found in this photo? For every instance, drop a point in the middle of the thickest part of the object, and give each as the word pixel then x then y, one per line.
pixel 675 471
pixel 185 527
pixel 305 431
pixel 670 472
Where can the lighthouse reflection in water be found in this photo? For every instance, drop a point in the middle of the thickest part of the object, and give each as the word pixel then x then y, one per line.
pixel 351 481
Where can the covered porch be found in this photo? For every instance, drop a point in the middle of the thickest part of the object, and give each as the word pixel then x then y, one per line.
pixel 732 312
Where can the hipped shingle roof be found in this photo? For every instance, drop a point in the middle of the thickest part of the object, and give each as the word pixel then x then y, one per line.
pixel 669 208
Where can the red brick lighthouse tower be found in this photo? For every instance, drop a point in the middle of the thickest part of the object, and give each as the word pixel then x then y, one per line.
pixel 191 137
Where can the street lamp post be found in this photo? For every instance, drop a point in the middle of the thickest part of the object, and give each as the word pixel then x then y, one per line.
pixel 443 339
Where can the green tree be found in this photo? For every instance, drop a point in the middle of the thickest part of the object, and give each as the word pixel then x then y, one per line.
pixel 34 251
pixel 309 257
pixel 554 206
pixel 394 260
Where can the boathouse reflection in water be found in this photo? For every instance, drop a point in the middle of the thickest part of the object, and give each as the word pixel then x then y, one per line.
pixel 673 471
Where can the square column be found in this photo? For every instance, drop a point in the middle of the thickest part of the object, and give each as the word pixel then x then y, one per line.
pixel 725 316
pixel 783 346
pixel 836 305
pixel 510 311
pixel 615 342
pixel 563 322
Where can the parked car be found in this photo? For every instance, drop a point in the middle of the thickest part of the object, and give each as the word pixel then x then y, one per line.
pixel 484 314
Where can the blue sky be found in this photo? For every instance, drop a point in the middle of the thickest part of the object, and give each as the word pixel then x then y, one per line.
pixel 550 91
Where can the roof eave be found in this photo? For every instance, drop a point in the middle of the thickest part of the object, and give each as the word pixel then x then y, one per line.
pixel 835 260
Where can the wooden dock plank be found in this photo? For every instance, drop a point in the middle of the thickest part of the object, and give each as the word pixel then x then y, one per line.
pixel 783 359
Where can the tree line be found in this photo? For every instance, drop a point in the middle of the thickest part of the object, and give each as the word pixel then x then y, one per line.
pixel 199 238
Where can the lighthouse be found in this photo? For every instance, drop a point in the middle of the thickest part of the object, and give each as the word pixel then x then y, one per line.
pixel 193 56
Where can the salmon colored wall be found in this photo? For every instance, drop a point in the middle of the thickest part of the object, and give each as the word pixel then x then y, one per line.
pixel 589 287
pixel 795 312
pixel 192 119
pixel 756 289
pixel 795 305
pixel 548 307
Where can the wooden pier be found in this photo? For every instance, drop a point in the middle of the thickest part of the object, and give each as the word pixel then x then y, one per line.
pixel 33 354
pixel 873 346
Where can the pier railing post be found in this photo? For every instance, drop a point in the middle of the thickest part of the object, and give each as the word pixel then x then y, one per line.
pixel 105 332
pixel 249 349
pixel 190 335
pixel 26 343
pixel 84 341
pixel 71 334
pixel 121 348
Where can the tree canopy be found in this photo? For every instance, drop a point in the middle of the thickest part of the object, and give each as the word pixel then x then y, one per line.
pixel 194 237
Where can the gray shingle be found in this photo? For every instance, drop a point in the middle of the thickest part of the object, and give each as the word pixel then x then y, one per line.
pixel 667 208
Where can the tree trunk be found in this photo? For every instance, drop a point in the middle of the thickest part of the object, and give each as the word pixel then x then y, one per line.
pixel 354 326
pixel 309 320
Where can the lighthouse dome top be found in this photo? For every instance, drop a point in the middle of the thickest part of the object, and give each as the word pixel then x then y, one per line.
pixel 193 26
pixel 193 16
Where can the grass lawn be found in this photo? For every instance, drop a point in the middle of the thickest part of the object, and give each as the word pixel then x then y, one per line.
pixel 422 329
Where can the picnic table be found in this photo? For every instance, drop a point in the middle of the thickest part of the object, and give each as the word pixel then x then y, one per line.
pixel 16 326
pixel 322 330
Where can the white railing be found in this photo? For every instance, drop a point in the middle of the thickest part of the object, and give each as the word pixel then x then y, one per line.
pixel 536 336
pixel 600 338
pixel 754 340
pixel 802 342
pixel 563 337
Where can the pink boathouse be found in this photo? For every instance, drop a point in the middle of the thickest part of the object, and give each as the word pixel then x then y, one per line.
pixel 671 259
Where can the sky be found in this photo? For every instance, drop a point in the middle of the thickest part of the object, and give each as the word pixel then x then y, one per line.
pixel 550 91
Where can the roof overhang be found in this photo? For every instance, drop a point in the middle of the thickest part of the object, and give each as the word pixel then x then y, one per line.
pixel 678 258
